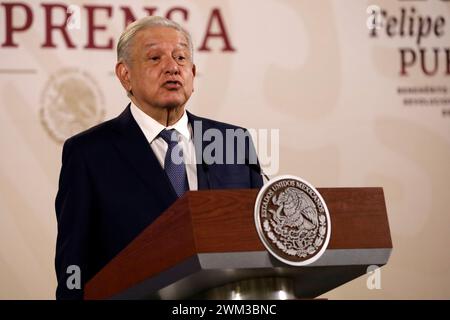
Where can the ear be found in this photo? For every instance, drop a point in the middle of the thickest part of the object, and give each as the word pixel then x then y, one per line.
pixel 123 73
pixel 194 71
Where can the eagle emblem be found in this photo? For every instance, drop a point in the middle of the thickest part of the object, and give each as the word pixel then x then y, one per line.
pixel 292 220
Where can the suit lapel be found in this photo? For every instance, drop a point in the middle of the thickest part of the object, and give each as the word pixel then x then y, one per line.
pixel 198 128
pixel 135 148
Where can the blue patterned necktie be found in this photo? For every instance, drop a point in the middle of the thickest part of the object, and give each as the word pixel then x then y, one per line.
pixel 173 162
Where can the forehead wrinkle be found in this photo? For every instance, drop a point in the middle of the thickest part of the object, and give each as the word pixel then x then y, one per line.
pixel 149 45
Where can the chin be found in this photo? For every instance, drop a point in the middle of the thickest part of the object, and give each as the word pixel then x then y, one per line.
pixel 172 104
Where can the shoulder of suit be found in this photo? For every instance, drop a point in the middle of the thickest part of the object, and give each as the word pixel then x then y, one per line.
pixel 93 136
pixel 215 124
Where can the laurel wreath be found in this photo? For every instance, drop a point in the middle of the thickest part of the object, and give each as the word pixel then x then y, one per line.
pixel 296 242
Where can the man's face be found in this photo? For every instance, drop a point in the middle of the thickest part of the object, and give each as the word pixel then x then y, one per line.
pixel 161 72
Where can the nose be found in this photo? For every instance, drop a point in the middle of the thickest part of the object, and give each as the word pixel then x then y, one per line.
pixel 172 67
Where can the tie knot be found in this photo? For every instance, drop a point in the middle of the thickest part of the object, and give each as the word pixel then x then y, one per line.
pixel 169 136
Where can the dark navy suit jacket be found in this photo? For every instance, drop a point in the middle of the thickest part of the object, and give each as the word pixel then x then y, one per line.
pixel 112 186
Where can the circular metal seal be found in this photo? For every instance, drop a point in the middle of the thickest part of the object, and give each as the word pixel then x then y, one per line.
pixel 292 220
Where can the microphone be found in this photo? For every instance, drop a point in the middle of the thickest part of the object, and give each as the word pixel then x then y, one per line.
pixel 265 176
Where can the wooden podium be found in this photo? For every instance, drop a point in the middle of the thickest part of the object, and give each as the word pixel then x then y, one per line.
pixel 208 239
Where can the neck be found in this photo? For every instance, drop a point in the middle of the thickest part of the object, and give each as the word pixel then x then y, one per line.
pixel 165 116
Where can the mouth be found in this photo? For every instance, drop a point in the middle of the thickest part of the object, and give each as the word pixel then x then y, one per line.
pixel 172 84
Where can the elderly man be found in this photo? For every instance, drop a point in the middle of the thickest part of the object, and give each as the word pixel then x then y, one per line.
pixel 119 176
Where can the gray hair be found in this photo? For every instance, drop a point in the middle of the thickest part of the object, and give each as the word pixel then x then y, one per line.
pixel 127 36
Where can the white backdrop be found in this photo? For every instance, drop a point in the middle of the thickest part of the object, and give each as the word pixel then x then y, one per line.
pixel 309 69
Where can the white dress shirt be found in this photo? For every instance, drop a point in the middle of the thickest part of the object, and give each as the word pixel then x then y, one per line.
pixel 151 129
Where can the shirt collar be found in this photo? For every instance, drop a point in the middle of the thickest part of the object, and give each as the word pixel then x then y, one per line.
pixel 151 128
pixel 182 126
